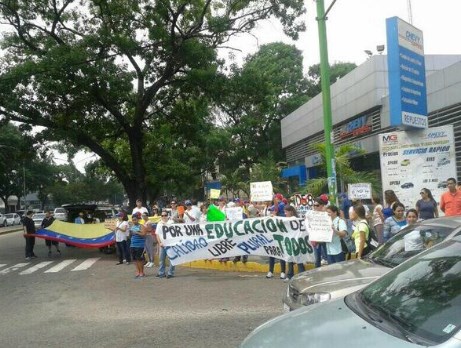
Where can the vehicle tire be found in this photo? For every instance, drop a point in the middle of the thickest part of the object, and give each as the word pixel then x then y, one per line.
pixel 5 224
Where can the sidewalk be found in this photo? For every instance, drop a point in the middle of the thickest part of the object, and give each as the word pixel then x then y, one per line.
pixel 254 264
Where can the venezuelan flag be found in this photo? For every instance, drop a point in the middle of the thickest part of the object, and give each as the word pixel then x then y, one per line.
pixel 79 235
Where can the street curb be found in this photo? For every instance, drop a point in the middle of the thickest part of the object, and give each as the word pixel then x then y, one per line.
pixel 11 231
pixel 230 266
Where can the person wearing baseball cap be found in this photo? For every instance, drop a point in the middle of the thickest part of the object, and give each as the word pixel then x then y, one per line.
pixel 278 210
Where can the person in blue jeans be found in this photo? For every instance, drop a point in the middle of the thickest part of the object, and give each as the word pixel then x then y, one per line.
pixel 278 209
pixel 290 212
pixel 320 249
pixel 163 255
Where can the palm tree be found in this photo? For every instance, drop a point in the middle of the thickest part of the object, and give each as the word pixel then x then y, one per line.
pixel 345 174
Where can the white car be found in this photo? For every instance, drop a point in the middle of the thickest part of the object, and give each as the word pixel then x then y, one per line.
pixel 342 278
pixel 12 219
pixel 2 220
pixel 415 305
pixel 60 214
pixel 38 218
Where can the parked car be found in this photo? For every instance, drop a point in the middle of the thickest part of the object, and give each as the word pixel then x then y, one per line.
pixel 3 220
pixel 407 185
pixel 38 218
pixel 12 219
pixel 60 214
pixel 417 304
pixel 339 279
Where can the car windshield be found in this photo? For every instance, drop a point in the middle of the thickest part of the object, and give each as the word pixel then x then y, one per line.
pixel 411 241
pixel 59 211
pixel 419 301
pixel 9 216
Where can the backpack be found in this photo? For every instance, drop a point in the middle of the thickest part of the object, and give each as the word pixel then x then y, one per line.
pixel 372 239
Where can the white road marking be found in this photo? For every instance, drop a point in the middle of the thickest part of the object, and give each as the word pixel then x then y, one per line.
pixel 2 265
pixel 60 266
pixel 36 267
pixel 86 264
pixel 14 268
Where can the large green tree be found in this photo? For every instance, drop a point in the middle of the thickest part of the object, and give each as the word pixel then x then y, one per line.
pixel 253 100
pixel 102 74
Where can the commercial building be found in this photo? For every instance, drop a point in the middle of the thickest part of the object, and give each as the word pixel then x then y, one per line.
pixel 360 111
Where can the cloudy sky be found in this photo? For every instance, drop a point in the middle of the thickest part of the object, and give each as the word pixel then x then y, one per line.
pixel 357 25
pixel 354 26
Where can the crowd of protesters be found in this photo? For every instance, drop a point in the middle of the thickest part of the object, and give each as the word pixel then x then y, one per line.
pixel 352 221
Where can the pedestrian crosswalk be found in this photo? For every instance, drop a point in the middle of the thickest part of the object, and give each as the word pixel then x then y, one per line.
pixel 25 268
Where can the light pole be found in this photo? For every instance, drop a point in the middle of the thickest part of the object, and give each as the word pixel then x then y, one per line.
pixel 326 99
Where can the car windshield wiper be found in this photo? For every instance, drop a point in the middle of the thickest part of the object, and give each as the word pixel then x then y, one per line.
pixel 398 326
pixel 382 262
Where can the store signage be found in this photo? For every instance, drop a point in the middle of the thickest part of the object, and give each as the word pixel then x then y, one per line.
pixel 407 74
pixel 358 126
pixel 416 159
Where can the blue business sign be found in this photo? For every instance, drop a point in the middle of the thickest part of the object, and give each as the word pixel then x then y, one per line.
pixel 407 74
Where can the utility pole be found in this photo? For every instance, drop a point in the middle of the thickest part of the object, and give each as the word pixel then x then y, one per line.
pixel 326 99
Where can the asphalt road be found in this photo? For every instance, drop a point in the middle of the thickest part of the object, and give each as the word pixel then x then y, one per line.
pixel 83 299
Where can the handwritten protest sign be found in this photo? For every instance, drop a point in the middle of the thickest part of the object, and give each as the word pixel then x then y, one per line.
pixel 261 191
pixel 214 193
pixel 359 191
pixel 319 226
pixel 279 237
pixel 234 213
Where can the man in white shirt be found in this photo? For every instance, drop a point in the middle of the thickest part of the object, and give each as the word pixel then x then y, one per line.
pixel 139 208
pixel 191 215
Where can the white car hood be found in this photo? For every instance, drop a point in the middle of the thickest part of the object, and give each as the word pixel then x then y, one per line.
pixel 353 275
pixel 324 325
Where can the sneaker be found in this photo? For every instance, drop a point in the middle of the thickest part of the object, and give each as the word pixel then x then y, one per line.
pixel 149 264
pixel 286 280
pixel 160 276
pixel 269 275
pixel 119 263
pixel 169 276
pixel 283 276
pixel 127 263
pixel 27 258
pixel 324 262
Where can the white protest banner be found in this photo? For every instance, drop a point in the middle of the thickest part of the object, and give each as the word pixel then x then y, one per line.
pixel 261 191
pixel 279 237
pixel 234 213
pixel 359 191
pixel 319 226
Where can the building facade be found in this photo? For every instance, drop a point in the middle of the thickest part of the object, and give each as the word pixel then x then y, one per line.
pixel 360 112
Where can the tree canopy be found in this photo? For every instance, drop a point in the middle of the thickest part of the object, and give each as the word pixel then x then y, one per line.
pixel 124 78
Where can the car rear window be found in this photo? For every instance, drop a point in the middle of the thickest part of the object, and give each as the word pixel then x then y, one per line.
pixel 59 211
pixel 409 242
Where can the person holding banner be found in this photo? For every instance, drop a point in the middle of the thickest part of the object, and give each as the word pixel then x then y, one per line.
pixel 334 248
pixel 138 234
pixel 121 229
pixel 320 249
pixel 149 241
pixel 278 209
pixel 163 255
pixel 290 212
